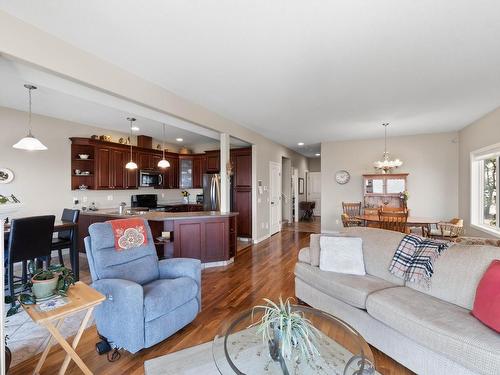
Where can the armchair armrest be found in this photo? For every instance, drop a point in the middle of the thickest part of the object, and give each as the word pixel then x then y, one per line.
pixel 120 318
pixel 182 267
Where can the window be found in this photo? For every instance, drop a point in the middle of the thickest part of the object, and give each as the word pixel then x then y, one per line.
pixel 485 166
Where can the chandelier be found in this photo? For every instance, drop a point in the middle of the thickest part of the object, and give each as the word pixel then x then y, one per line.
pixel 387 165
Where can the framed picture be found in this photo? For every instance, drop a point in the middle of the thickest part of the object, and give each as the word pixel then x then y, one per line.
pixel 301 186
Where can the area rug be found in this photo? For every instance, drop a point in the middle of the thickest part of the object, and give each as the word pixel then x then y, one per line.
pixel 199 360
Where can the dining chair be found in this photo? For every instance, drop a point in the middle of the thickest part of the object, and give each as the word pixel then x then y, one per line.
pixel 64 239
pixel 30 238
pixel 351 209
pixel 449 230
pixel 395 221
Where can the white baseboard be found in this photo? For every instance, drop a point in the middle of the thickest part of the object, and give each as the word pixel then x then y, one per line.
pixel 217 264
pixel 261 239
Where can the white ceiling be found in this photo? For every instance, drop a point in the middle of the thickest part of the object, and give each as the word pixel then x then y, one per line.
pixel 59 98
pixel 309 70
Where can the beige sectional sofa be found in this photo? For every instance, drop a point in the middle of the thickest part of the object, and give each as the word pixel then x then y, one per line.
pixel 428 331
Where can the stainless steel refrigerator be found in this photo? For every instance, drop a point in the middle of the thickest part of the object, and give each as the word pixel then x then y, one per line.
pixel 211 192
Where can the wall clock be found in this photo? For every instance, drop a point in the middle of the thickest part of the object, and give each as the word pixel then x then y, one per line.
pixel 342 177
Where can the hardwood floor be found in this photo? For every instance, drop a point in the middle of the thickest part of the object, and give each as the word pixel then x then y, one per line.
pixel 263 270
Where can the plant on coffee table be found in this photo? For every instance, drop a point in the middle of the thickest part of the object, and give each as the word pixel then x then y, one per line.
pixel 55 280
pixel 286 330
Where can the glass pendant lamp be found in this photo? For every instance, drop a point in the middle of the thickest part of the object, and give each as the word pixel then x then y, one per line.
pixel 131 164
pixel 163 163
pixel 29 142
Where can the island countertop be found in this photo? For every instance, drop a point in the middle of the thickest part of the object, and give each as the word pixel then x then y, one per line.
pixel 158 215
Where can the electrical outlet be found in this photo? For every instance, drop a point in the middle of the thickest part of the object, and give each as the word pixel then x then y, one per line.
pixel 110 197
pixel 85 199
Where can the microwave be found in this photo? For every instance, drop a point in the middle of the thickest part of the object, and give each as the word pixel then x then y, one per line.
pixel 150 178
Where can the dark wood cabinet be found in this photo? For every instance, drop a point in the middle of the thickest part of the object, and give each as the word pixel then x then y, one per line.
pixel 103 173
pixel 241 159
pixel 117 169
pixel 111 172
pixel 212 161
pixel 198 171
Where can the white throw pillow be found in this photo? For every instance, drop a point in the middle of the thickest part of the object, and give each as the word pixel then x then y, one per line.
pixel 342 255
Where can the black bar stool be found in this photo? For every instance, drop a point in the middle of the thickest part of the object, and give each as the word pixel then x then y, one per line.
pixel 64 239
pixel 30 238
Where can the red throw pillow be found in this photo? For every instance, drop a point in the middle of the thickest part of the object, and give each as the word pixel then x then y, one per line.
pixel 487 302
pixel 129 233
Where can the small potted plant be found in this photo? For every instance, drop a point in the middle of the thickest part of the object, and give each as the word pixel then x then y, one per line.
pixel 55 280
pixel 185 195
pixel 288 333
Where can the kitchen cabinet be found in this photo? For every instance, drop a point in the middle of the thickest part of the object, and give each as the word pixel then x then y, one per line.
pixel 185 172
pixel 212 161
pixel 110 170
pixel 241 159
pixel 198 171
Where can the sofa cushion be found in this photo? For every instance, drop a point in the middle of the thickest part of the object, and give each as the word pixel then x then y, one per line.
pixel 457 273
pixel 351 289
pixel 304 255
pixel 164 295
pixel 139 264
pixel 438 325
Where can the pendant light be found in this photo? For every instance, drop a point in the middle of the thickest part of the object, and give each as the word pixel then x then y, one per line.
pixel 386 165
pixel 131 164
pixel 29 142
pixel 163 163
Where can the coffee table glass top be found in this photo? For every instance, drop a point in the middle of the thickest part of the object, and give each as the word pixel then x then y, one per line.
pixel 239 349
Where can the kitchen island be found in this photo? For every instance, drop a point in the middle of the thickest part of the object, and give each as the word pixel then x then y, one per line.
pixel 206 235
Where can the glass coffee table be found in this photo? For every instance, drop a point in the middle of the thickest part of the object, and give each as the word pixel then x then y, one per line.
pixel 239 349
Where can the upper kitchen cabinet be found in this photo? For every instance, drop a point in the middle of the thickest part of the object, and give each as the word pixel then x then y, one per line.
pixel 191 171
pixel 212 161
pixel 110 169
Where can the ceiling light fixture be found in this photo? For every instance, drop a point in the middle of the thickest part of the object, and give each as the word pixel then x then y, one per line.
pixel 131 164
pixel 300 144
pixel 179 139
pixel 163 163
pixel 29 142
pixel 387 165
pixel 317 154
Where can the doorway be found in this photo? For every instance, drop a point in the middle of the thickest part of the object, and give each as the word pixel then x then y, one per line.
pixel 274 197
pixel 314 190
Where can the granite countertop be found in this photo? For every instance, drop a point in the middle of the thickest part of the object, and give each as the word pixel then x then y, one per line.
pixel 158 216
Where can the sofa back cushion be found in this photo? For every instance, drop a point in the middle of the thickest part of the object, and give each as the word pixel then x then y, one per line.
pixel 139 264
pixel 378 248
pixel 457 273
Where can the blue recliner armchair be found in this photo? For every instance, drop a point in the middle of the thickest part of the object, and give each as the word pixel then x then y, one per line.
pixel 146 300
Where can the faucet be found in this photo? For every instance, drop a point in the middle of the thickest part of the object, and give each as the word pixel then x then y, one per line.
pixel 121 208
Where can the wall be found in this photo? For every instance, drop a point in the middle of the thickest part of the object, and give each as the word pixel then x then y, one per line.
pixel 481 133
pixel 431 161
pixel 42 178
pixel 314 164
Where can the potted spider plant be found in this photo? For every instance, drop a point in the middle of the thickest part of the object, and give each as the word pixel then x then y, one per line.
pixel 55 280
pixel 288 333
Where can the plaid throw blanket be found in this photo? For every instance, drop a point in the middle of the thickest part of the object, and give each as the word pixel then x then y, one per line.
pixel 414 259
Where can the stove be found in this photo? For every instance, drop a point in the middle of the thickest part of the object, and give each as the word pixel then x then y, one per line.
pixel 149 201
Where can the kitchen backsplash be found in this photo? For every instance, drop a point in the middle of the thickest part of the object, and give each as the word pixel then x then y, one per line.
pixel 112 198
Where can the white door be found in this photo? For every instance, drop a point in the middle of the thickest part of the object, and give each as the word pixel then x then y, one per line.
pixel 314 190
pixel 275 197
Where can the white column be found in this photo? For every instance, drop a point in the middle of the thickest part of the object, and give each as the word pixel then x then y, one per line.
pixel 225 196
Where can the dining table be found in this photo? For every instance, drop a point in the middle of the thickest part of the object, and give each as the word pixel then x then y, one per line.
pixel 413 221
pixel 59 226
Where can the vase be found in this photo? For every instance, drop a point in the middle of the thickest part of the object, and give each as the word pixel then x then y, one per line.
pixel 186 200
pixel 44 288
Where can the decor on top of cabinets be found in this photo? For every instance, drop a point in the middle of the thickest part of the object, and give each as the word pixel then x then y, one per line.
pixel 6 176
pixel 342 177
pixel 386 165
pixel 29 142
pixel 131 164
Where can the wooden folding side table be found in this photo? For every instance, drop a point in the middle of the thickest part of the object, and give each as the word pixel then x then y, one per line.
pixel 81 297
